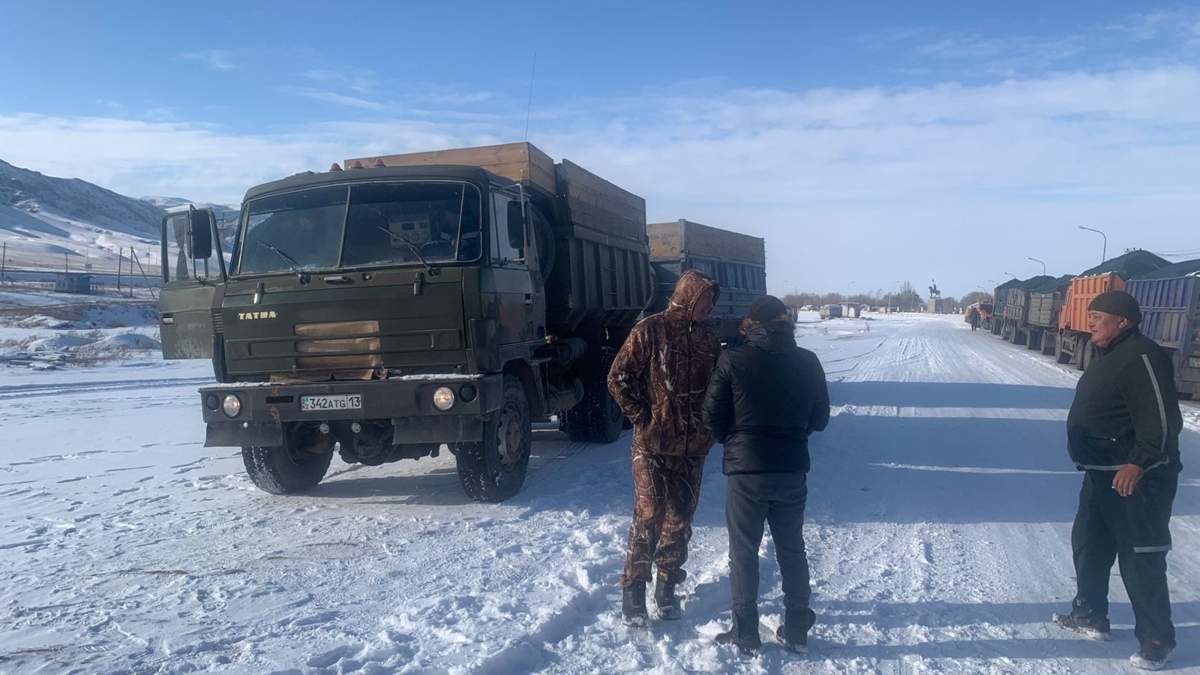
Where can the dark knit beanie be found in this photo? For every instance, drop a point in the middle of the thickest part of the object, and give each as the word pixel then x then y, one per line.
pixel 1118 303
pixel 767 308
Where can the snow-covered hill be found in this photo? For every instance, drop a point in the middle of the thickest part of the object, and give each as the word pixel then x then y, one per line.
pixel 49 222
pixel 76 199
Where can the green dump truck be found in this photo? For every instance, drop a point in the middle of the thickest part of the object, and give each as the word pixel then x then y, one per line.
pixel 405 303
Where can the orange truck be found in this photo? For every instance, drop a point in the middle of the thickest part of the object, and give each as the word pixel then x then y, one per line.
pixel 1074 339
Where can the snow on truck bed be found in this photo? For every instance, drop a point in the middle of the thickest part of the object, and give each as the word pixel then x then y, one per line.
pixel 940 509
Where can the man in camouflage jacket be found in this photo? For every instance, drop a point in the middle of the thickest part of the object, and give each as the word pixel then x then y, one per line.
pixel 659 379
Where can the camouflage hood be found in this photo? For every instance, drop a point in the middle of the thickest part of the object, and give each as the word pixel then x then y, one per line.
pixel 661 374
pixel 691 286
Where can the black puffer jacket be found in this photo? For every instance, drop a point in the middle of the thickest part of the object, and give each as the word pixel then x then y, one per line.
pixel 764 399
pixel 1126 410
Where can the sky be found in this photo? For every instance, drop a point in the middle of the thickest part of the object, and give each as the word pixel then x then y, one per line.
pixel 869 143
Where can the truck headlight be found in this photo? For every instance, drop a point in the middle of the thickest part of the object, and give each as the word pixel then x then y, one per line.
pixel 443 398
pixel 232 405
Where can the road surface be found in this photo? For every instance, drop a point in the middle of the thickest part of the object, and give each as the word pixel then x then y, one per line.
pixel 940 508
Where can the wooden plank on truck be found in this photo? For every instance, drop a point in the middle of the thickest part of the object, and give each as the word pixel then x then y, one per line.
pixel 711 242
pixel 522 162
pixel 597 204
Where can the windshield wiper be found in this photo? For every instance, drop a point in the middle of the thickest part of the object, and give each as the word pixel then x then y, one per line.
pixel 416 250
pixel 292 263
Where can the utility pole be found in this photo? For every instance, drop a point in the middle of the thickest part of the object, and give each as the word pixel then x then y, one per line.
pixel 120 253
pixel 3 261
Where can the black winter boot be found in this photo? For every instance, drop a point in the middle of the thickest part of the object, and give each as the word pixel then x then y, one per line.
pixel 664 598
pixel 743 635
pixel 1091 627
pixel 793 634
pixel 633 603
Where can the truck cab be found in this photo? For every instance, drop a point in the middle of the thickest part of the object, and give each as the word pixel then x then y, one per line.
pixel 385 313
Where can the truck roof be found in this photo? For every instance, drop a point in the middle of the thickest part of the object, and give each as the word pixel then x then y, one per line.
pixel 311 179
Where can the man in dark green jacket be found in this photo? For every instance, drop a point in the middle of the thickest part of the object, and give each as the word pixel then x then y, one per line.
pixel 1123 433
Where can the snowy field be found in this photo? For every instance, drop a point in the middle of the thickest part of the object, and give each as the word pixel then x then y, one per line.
pixel 940 508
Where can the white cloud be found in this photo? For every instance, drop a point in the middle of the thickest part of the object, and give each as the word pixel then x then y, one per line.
pixel 869 185
pixel 335 98
pixel 216 59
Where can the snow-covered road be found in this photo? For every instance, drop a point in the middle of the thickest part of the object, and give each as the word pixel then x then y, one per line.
pixel 940 508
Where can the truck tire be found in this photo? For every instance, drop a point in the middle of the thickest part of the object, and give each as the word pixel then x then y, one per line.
pixel 494 469
pixel 285 470
pixel 597 418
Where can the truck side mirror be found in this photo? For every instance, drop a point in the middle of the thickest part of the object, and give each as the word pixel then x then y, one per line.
pixel 516 227
pixel 200 228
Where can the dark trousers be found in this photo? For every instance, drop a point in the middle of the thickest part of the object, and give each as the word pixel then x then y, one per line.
pixel 779 499
pixel 1134 532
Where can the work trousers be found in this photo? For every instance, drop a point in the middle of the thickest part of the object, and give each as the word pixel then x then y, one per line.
pixel 666 490
pixel 1134 532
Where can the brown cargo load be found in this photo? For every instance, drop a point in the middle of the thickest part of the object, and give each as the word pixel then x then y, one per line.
pixel 671 241
pixel 592 202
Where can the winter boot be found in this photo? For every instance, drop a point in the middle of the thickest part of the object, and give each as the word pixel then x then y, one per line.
pixel 742 635
pixel 1091 627
pixel 664 598
pixel 1151 655
pixel 793 634
pixel 633 603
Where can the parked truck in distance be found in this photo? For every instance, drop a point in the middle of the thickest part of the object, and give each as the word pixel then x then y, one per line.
pixel 1016 307
pixel 1000 294
pixel 1074 339
pixel 406 302
pixel 1170 301
pixel 736 261
pixel 1041 317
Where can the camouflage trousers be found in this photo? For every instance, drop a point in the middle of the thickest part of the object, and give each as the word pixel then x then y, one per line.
pixel 666 490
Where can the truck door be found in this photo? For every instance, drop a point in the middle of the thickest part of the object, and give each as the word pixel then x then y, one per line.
pixel 519 301
pixel 193 271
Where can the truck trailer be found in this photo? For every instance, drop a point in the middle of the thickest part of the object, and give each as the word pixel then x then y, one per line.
pixel 1041 318
pixel 1000 294
pixel 1170 303
pixel 1016 308
pixel 736 261
pixel 406 303
pixel 1074 339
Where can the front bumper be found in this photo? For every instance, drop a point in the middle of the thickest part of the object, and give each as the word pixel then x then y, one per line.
pixel 407 403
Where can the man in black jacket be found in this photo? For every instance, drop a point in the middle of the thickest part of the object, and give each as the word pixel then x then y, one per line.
pixel 1123 432
pixel 765 398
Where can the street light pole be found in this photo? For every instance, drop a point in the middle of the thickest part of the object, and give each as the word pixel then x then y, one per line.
pixel 1039 261
pixel 1012 275
pixel 1104 251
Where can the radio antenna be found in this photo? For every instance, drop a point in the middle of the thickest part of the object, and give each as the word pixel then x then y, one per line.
pixel 529 103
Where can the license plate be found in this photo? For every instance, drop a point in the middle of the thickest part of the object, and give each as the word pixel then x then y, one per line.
pixel 331 402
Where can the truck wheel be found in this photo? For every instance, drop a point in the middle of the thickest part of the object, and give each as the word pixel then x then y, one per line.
pixel 596 419
pixel 494 469
pixel 286 469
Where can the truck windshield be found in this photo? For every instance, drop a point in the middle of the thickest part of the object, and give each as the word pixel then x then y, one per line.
pixel 362 225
